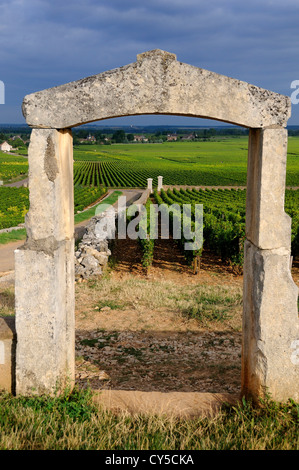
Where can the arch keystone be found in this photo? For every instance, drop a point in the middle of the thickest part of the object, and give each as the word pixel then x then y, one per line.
pixel 154 54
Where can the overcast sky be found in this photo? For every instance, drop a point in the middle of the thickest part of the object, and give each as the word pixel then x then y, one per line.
pixel 45 43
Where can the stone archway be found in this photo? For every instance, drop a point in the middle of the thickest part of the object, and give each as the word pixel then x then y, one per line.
pixel 155 84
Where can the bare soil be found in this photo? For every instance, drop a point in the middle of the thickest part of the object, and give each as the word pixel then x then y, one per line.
pixel 156 350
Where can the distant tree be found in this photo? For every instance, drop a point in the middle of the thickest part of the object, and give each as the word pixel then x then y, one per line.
pixel 130 137
pixel 82 133
pixel 76 140
pixel 119 136
pixel 99 136
pixel 17 143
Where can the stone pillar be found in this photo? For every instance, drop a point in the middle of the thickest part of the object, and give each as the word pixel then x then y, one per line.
pixel 160 183
pixel 150 184
pixel 270 346
pixel 44 269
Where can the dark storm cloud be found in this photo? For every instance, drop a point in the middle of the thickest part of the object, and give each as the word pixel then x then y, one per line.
pixel 45 43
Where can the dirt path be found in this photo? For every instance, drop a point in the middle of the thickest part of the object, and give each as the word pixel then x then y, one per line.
pixel 7 262
pixel 17 184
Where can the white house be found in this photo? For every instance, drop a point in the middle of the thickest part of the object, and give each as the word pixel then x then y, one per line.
pixel 140 138
pixel 5 147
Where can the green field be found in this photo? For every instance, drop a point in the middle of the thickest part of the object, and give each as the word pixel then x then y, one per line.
pixel 183 163
pixel 207 163
pixel 12 167
pixel 14 203
pixel 211 163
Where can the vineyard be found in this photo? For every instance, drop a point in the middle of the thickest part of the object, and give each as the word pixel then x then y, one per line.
pixel 215 163
pixel 84 196
pixel 221 162
pixel 12 167
pixel 223 222
pixel 117 174
pixel 110 174
pixel 14 203
pixel 223 218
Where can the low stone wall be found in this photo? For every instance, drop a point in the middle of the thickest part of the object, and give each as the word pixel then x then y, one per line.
pixel 91 256
pixel 11 229
pixel 93 251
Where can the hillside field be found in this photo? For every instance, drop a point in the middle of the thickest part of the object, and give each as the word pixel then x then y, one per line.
pixel 220 162
pixel 210 163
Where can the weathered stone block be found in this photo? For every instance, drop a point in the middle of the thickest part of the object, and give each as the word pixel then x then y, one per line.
pixel 51 212
pixel 267 224
pixel 156 84
pixel 270 356
pixel 160 183
pixel 44 288
pixel 89 262
pixel 7 354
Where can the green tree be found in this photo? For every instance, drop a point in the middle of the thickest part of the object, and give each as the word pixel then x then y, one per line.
pixel 17 143
pixel 119 136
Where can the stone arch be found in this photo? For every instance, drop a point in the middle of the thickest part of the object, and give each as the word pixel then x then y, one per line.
pixel 155 84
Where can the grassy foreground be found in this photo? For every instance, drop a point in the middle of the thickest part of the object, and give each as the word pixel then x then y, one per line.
pixel 73 422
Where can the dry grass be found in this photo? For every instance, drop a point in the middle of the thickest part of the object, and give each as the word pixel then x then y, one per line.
pixel 152 334
pixel 134 303
pixel 7 301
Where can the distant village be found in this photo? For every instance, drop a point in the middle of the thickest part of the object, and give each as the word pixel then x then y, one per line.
pixel 143 138
pixel 12 143
pixel 12 140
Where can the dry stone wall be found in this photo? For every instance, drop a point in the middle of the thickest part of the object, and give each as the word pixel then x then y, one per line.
pixel 92 253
